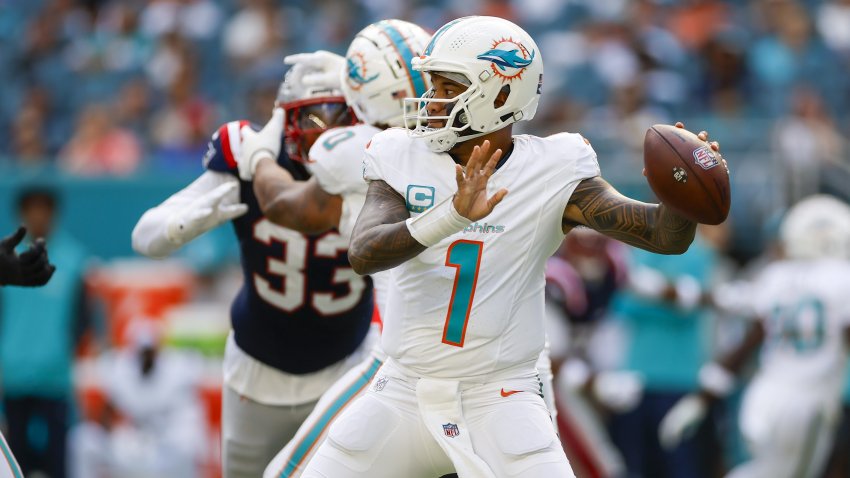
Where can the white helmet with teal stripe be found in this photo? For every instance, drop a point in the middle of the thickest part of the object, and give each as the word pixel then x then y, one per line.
pixel 489 55
pixel 378 74
pixel 817 227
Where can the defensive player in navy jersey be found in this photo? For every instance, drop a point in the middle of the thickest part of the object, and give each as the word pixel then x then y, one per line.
pixel 302 317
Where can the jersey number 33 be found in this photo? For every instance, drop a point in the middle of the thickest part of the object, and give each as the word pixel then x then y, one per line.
pixel 291 267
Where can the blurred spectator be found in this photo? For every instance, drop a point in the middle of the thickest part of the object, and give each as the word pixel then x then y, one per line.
pixel 179 130
pixel 697 21
pixel 28 144
pixel 833 23
pixel 661 55
pixel 789 55
pixel 612 55
pixel 160 429
pixel 261 101
pixel 810 147
pixel 39 329
pixel 133 107
pixel 194 19
pixel 253 35
pixel 626 116
pixel 331 23
pixel 667 343
pixel 171 57
pixel 720 85
pixel 99 146
pixel 114 44
pixel 498 8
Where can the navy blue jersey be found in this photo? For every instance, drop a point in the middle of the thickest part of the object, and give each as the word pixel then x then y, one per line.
pixel 301 307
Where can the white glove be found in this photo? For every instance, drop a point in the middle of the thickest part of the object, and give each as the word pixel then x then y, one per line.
pixel 681 421
pixel 205 212
pixel 257 145
pixel 620 391
pixel 321 69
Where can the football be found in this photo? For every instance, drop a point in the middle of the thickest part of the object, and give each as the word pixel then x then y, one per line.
pixel 686 174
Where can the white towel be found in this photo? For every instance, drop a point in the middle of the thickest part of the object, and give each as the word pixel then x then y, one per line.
pixel 440 407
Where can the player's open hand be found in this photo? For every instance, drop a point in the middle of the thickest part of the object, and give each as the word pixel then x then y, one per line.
pixel 471 200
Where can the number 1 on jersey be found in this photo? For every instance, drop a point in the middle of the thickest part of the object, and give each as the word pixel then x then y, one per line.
pixel 465 257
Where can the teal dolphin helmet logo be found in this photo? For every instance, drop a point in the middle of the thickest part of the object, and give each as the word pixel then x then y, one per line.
pixel 357 72
pixel 508 58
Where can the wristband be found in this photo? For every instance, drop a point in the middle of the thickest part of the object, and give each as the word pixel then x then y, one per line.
pixel 437 223
pixel 716 379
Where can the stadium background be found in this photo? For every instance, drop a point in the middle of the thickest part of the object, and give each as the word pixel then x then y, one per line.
pixel 110 104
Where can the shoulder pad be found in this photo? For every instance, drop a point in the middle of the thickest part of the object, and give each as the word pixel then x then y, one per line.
pixel 223 147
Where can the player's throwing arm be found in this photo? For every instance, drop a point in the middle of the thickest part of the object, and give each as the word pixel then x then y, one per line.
pixel 655 227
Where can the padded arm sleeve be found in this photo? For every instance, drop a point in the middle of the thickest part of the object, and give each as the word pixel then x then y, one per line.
pixel 150 237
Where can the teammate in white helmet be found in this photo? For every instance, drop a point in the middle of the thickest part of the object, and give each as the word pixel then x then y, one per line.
pixel 375 77
pixel 793 405
pixel 463 325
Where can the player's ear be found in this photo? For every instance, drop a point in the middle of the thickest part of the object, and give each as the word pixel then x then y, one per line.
pixel 502 97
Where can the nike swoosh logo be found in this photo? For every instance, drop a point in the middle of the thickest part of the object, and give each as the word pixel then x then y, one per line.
pixel 508 393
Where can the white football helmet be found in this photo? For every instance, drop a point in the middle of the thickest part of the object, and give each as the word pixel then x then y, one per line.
pixel 489 54
pixel 378 75
pixel 817 227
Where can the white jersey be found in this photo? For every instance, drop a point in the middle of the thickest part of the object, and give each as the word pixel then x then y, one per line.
pixel 805 309
pixel 472 305
pixel 336 161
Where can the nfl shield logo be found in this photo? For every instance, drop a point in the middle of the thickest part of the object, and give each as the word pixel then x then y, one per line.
pixel 705 158
pixel 450 429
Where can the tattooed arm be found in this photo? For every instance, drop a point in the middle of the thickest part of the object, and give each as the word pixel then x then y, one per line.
pixel 299 205
pixel 381 239
pixel 654 227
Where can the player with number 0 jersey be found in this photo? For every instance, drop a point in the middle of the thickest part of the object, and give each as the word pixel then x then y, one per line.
pixel 375 77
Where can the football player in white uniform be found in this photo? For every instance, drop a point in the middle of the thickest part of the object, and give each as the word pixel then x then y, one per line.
pixel 463 326
pixel 375 77
pixel 793 404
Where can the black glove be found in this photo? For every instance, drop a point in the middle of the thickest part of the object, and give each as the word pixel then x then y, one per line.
pixel 31 268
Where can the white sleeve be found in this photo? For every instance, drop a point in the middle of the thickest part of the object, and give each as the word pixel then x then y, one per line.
pixel 150 236
pixel 588 164
pixel 573 160
pixel 338 169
